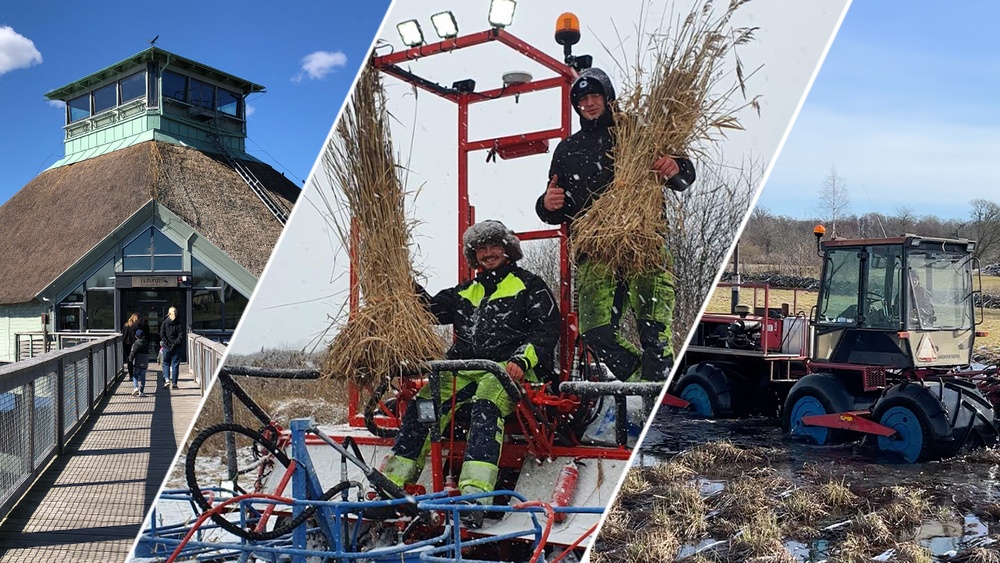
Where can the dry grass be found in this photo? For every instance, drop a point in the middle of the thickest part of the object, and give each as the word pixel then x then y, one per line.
pixel 759 537
pixel 802 507
pixel 704 457
pixel 391 328
pixel 912 553
pixel 837 496
pixel 902 507
pixel 983 555
pixel 676 108
pixel 325 401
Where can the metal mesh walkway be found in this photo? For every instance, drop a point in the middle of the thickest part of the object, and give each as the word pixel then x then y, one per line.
pixel 89 504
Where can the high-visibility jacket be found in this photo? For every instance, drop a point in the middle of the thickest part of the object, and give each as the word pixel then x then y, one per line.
pixel 507 314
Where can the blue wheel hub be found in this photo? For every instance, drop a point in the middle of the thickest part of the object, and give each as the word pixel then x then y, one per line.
pixel 701 403
pixel 909 438
pixel 808 406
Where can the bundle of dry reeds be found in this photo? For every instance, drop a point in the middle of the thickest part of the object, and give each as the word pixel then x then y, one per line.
pixel 676 108
pixel 391 328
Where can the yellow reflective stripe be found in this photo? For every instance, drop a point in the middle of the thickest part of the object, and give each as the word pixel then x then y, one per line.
pixel 530 356
pixel 474 293
pixel 479 474
pixel 401 470
pixel 509 287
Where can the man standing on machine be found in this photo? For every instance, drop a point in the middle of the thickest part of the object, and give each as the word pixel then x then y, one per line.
pixel 582 169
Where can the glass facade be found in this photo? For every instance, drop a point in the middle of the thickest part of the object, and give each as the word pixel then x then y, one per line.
pixel 213 306
pixel 133 87
pixel 108 97
pixel 105 98
pixel 152 252
pixel 202 94
pixel 78 108
pixel 174 86
pixel 227 102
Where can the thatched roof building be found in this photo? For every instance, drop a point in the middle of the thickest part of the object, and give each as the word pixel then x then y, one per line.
pixel 147 210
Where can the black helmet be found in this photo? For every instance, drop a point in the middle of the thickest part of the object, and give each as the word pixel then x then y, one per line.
pixel 490 232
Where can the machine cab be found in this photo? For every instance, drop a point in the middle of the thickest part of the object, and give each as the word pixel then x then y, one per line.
pixel 904 302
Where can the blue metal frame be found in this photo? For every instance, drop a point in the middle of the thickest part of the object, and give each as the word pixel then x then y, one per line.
pixel 334 516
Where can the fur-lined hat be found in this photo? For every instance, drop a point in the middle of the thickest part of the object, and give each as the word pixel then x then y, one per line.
pixel 591 81
pixel 490 232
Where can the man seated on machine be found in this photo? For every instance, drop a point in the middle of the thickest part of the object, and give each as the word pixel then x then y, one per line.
pixel 922 306
pixel 505 314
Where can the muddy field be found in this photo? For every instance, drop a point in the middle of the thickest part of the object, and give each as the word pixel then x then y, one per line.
pixel 740 490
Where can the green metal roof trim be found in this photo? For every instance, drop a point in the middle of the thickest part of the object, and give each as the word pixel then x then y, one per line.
pixel 153 54
pixel 150 135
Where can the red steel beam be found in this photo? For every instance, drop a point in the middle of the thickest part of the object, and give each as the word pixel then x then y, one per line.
pixel 485 144
pixel 517 89
pixel 447 45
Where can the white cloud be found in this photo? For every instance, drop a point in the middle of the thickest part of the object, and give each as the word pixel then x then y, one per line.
pixel 318 64
pixel 249 110
pixel 57 104
pixel 16 51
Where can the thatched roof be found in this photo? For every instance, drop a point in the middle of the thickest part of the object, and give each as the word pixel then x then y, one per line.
pixel 64 212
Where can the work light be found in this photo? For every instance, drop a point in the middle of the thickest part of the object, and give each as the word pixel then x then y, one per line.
pixel 502 12
pixel 445 25
pixel 409 32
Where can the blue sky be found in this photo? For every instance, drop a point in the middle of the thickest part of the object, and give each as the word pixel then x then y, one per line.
pixel 905 108
pixel 305 53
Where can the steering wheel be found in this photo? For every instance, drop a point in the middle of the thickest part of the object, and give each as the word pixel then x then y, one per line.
pixel 875 303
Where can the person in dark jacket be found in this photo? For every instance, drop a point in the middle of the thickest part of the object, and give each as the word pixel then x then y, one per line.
pixel 582 169
pixel 505 314
pixel 172 336
pixel 139 359
pixel 128 338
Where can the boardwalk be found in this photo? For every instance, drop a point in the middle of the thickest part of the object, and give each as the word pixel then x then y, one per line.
pixel 89 503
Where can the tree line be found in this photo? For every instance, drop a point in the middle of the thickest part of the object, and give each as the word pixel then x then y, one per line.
pixel 773 242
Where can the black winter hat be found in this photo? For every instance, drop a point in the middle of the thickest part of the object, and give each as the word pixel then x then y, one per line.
pixel 591 81
pixel 490 232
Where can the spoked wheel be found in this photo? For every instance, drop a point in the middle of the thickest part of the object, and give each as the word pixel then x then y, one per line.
pixel 708 390
pixel 934 419
pixel 816 394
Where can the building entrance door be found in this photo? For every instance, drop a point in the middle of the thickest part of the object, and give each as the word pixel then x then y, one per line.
pixel 153 304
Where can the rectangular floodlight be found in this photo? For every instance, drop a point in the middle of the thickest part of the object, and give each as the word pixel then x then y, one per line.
pixel 445 25
pixel 502 12
pixel 409 32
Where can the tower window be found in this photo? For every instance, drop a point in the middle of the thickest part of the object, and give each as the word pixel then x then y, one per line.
pixel 79 108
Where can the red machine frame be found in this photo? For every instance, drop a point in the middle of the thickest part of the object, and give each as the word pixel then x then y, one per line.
pixel 510 146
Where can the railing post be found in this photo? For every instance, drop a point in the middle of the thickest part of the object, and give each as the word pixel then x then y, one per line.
pixel 90 379
pixel 31 423
pixel 60 406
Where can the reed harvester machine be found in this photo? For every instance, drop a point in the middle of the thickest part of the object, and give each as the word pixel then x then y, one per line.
pixel 886 352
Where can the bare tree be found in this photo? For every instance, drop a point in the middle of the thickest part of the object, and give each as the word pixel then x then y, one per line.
pixel 542 259
pixel 834 199
pixel 984 227
pixel 704 221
